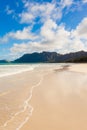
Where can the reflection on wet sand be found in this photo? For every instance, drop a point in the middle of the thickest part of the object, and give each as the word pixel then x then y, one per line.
pixel 54 98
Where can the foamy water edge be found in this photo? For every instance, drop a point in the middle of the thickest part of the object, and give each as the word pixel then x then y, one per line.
pixel 25 106
pixel 8 70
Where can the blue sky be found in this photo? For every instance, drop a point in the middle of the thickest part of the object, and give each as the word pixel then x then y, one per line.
pixel 42 25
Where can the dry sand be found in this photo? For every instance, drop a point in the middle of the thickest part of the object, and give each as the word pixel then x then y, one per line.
pixel 79 68
pixel 59 100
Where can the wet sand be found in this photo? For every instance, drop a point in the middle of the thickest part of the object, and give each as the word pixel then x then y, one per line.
pixel 47 98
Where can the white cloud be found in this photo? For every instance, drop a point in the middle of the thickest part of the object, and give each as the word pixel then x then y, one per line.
pixel 8 10
pixel 34 10
pixel 26 17
pixel 81 30
pixel 43 10
pixel 55 38
pixel 51 36
pixel 19 49
pixel 84 1
pixel 66 3
pixel 47 29
pixel 24 34
pixel 4 39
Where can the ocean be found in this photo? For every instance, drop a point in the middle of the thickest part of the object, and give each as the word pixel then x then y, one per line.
pixel 11 69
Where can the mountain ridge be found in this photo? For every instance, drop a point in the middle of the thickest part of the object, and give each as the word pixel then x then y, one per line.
pixel 52 57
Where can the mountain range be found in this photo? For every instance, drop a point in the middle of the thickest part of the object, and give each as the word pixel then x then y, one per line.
pixel 51 57
pixel 3 61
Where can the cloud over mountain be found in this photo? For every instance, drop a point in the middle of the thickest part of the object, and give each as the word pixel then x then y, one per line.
pixel 45 27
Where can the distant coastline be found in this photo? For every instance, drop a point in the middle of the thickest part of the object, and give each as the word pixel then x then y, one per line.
pixel 50 57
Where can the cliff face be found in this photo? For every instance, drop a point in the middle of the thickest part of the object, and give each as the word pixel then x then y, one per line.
pixel 52 57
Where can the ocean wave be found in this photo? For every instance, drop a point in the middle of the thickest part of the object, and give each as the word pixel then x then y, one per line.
pixel 7 70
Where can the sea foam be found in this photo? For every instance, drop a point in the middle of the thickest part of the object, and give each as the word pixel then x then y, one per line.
pixel 6 70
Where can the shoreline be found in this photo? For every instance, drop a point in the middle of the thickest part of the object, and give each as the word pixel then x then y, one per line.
pixel 49 94
pixel 25 102
pixel 51 112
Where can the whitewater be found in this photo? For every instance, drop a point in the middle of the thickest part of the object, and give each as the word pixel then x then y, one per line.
pixel 35 73
pixel 9 69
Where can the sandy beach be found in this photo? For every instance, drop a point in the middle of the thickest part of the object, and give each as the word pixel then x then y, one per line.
pixel 50 97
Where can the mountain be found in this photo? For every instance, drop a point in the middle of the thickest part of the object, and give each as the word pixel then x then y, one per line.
pixel 38 57
pixel 52 57
pixel 80 56
pixel 3 61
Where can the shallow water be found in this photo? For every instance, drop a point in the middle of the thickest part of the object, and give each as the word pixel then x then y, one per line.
pixel 50 90
pixel 8 69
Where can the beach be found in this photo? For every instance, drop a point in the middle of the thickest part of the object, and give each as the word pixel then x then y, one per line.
pixel 48 97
